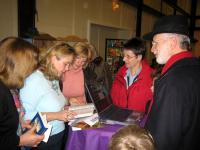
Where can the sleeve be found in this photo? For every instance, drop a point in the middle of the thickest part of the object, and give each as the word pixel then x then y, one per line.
pixel 8 136
pixel 115 94
pixel 30 95
pixel 113 91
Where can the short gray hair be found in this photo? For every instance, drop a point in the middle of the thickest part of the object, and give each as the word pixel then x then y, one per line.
pixel 184 40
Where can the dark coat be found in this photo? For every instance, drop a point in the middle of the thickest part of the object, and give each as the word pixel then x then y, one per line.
pixel 174 120
pixel 9 120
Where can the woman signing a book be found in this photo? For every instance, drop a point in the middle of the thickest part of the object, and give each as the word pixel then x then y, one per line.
pixel 18 59
pixel 41 92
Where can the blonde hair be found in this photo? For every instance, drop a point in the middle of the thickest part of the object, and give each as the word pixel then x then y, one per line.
pixel 18 59
pixel 132 137
pixel 60 50
pixel 85 49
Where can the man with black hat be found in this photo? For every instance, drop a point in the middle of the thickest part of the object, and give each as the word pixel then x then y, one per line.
pixel 174 119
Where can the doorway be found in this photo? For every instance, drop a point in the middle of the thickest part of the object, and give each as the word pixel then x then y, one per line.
pixel 97 35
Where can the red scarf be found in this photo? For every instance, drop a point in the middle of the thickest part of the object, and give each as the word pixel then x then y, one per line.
pixel 175 58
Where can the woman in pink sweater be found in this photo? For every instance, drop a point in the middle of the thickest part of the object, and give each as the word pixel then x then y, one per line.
pixel 73 80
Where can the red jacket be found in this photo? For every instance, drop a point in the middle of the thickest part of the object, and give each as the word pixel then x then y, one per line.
pixel 138 94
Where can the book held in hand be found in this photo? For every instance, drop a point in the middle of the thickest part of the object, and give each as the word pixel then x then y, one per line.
pixel 42 125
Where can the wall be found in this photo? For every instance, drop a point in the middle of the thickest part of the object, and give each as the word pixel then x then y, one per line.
pixel 91 19
pixel 146 26
pixel 100 33
pixel 8 17
pixel 73 17
pixel 67 17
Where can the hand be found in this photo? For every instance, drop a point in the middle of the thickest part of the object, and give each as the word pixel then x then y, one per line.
pixel 25 124
pixel 66 115
pixel 70 115
pixel 30 138
pixel 76 101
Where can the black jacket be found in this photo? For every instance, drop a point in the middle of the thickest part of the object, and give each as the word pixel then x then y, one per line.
pixel 9 120
pixel 174 120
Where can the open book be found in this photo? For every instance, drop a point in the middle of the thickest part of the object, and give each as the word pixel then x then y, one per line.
pixel 83 110
pixel 43 127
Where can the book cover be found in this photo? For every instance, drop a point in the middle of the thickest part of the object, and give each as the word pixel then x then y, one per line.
pixel 41 123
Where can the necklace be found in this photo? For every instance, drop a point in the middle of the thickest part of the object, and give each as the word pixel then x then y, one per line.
pixel 55 86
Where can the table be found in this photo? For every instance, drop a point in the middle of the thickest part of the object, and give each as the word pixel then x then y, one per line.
pixel 91 139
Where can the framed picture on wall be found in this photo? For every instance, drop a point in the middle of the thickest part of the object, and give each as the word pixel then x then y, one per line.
pixel 113 53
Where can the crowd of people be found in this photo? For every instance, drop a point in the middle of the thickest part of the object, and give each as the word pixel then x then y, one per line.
pixel 167 95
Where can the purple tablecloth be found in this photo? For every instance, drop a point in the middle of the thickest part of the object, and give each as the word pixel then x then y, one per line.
pixel 91 139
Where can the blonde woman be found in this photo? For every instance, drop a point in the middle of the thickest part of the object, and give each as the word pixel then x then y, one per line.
pixel 41 92
pixel 73 79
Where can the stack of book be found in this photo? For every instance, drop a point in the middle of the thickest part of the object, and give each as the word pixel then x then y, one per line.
pixel 83 110
pixel 84 123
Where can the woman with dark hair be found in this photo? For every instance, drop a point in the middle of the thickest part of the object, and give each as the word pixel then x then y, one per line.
pixel 131 87
pixel 18 59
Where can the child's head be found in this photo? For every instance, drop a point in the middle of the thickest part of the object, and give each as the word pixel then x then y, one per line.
pixel 132 137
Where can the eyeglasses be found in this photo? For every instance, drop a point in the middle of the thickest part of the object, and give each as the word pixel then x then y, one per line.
pixel 129 57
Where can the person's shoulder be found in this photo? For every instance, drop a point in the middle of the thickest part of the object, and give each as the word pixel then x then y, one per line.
pixel 146 69
pixel 185 66
pixel 73 72
pixel 36 79
pixel 3 91
pixel 35 85
pixel 122 69
pixel 146 65
pixel 2 86
pixel 35 76
pixel 121 72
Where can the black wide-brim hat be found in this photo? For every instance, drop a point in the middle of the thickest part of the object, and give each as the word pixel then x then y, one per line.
pixel 169 24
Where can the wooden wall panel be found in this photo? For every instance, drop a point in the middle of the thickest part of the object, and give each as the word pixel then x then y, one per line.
pixel 153 4
pixel 185 5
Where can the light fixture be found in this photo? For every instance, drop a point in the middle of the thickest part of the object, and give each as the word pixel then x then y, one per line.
pixel 115 5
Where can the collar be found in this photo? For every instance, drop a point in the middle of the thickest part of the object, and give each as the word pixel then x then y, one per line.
pixel 174 59
pixel 128 72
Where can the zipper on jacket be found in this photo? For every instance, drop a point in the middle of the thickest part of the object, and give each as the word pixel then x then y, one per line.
pixel 128 88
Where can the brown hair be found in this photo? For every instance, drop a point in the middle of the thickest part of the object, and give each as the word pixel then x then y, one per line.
pixel 85 49
pixel 59 49
pixel 18 59
pixel 132 137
